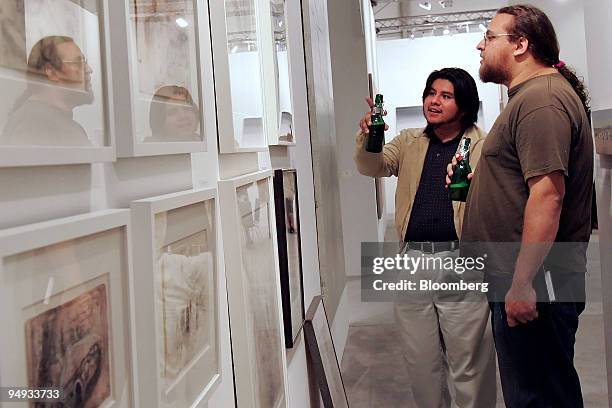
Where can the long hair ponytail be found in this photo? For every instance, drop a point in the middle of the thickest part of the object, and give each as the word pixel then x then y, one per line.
pixel 530 22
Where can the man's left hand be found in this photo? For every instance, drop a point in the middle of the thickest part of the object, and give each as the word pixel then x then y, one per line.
pixel 521 304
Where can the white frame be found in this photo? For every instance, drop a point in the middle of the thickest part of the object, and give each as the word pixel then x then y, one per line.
pixel 15 156
pixel 227 142
pixel 148 332
pixel 271 74
pixel 15 295
pixel 236 287
pixel 125 120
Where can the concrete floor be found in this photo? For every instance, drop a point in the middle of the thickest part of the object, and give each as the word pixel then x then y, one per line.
pixel 372 364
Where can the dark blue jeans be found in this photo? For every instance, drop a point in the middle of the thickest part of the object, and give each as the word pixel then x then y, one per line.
pixel 536 360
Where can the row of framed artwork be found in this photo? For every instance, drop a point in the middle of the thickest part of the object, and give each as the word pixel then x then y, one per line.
pixel 120 307
pixel 76 90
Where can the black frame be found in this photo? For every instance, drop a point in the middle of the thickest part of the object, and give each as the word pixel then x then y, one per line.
pixel 315 354
pixel 283 260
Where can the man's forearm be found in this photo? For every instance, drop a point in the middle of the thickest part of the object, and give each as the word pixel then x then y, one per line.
pixel 540 227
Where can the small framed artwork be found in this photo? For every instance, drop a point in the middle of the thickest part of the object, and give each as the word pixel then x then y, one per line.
pixel 237 38
pixel 602 127
pixel 281 132
pixel 323 353
pixel 175 292
pixel 56 83
pixel 253 290
pixel 289 252
pixel 64 292
pixel 159 70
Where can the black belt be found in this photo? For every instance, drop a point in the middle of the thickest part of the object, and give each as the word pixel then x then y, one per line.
pixel 433 247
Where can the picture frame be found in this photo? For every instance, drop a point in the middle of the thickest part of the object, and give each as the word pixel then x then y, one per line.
pixel 320 345
pixel 239 53
pixel 64 289
pixel 253 290
pixel 279 92
pixel 289 252
pixel 164 77
pixel 176 297
pixel 74 122
pixel 602 129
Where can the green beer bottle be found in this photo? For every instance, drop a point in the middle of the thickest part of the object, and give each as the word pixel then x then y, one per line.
pixel 460 184
pixel 376 137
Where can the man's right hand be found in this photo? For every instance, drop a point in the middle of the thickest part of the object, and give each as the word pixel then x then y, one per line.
pixel 451 167
pixel 365 122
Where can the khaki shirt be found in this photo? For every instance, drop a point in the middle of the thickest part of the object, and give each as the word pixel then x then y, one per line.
pixel 403 157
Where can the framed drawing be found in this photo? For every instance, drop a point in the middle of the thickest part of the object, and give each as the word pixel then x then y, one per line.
pixel 289 252
pixel 162 80
pixel 602 127
pixel 323 353
pixel 237 53
pixel 64 294
pixel 175 292
pixel 253 290
pixel 55 83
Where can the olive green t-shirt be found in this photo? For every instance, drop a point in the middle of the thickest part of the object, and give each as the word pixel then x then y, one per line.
pixel 543 129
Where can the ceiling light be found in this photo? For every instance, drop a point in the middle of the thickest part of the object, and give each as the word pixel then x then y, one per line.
pixel 181 22
pixel 482 27
pixel 425 5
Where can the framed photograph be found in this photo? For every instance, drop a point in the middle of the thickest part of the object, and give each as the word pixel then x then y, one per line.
pixel 237 33
pixel 289 252
pixel 323 353
pixel 175 292
pixel 253 290
pixel 64 292
pixel 56 83
pixel 602 127
pixel 162 78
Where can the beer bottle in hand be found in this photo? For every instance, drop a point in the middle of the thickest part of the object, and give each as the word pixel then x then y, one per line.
pixel 376 137
pixel 460 184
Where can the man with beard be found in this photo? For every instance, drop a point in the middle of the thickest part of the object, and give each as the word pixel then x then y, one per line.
pixel 59 80
pixel 436 327
pixel 533 189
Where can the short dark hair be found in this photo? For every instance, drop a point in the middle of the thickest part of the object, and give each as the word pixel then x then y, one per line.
pixel 533 24
pixel 466 93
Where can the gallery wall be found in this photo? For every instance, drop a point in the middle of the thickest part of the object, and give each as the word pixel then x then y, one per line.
pixel 38 193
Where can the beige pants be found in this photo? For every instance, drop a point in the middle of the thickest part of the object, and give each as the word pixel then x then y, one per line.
pixel 449 351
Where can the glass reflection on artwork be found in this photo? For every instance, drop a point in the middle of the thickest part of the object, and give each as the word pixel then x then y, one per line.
pixel 166 61
pixel 279 34
pixel 263 314
pixel 51 74
pixel 293 250
pixel 186 292
pixel 244 70
pixel 68 347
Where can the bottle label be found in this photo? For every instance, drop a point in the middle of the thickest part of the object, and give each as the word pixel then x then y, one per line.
pixel 376 110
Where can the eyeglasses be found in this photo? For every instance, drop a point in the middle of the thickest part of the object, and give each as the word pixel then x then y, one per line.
pixel 488 37
pixel 79 60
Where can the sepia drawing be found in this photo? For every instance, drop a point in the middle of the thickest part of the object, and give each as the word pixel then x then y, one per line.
pixel 68 347
pixel 186 268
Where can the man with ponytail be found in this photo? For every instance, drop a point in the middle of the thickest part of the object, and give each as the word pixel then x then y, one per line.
pixel 533 188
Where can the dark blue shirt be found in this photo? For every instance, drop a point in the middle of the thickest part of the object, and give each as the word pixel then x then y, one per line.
pixel 432 217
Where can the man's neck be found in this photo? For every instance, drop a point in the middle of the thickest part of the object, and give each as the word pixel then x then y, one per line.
pixel 447 131
pixel 527 72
